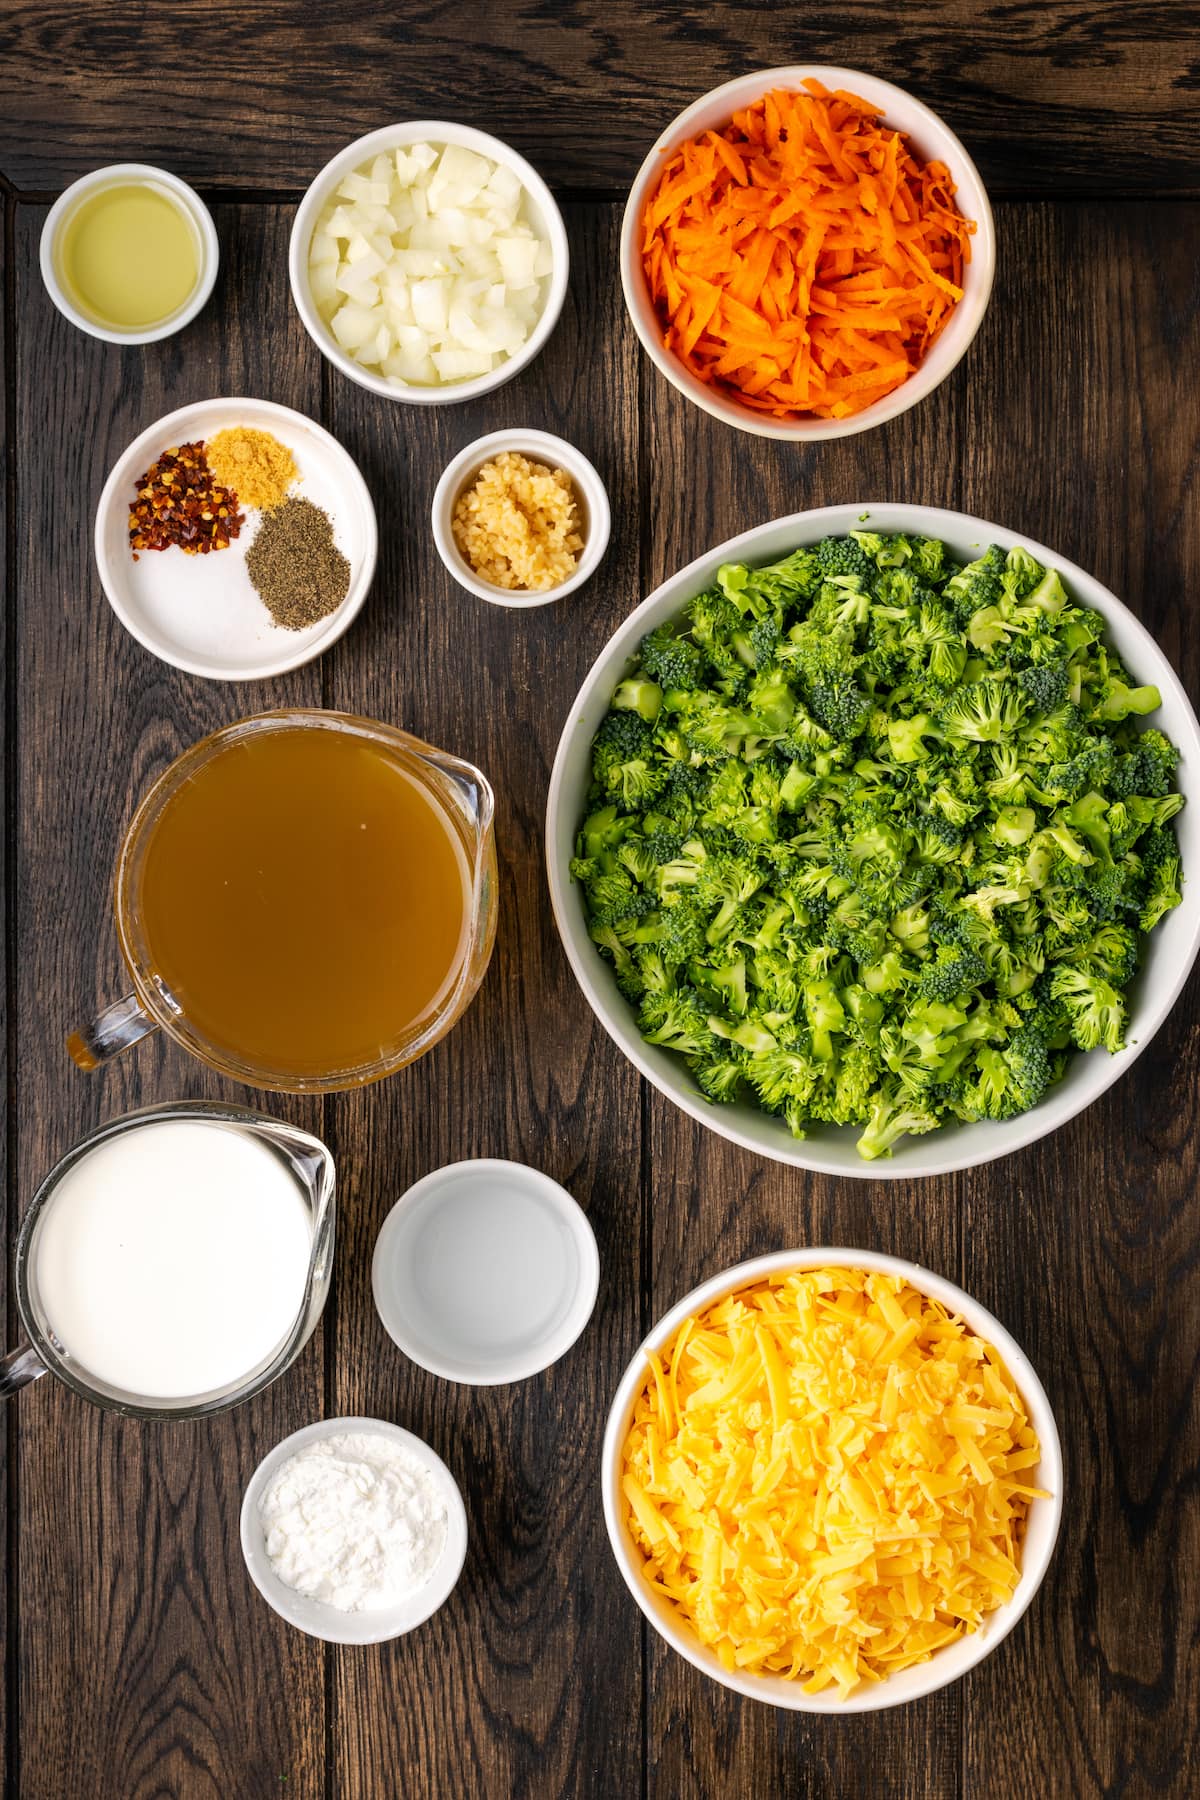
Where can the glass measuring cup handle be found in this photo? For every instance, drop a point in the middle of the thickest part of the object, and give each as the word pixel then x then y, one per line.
pixel 18 1369
pixel 115 1029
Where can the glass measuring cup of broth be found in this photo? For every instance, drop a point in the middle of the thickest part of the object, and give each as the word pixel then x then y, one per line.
pixel 305 900
pixel 175 1261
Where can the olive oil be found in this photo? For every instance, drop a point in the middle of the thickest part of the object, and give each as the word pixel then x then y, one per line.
pixel 305 899
pixel 129 255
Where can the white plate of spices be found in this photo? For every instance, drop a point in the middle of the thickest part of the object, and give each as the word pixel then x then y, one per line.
pixel 235 539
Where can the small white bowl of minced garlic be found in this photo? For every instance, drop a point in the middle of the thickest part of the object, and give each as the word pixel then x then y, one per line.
pixel 520 518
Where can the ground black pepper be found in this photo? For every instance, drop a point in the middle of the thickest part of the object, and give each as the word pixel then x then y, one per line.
pixel 297 569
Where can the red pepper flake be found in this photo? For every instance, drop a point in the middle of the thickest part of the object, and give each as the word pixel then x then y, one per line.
pixel 178 502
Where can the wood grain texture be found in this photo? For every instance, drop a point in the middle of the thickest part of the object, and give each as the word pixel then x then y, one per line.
pixel 1070 426
pixel 147 1663
pixel 1093 1262
pixel 1067 96
pixel 715 1204
pixel 8 1587
pixel 536 1659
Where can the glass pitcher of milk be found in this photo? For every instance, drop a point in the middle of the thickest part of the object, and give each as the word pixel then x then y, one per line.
pixel 175 1261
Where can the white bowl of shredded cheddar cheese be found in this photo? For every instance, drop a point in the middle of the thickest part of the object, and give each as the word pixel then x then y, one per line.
pixel 832 1480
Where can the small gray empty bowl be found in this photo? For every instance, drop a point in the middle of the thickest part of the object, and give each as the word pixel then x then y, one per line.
pixel 485 1272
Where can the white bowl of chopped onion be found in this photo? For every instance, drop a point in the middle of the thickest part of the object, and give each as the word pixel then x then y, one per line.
pixel 428 262
pixel 947 1317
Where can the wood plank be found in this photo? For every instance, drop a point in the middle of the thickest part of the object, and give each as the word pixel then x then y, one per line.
pixel 1087 1247
pixel 148 1663
pixel 714 1204
pixel 536 1658
pixel 8 1586
pixel 1070 424
pixel 1068 96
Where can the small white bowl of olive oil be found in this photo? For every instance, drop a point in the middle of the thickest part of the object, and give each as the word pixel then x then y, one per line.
pixel 129 253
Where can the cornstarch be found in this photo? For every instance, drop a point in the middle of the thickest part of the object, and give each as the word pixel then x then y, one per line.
pixel 357 1521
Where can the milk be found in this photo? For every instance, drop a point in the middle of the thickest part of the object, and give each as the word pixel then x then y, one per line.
pixel 173 1258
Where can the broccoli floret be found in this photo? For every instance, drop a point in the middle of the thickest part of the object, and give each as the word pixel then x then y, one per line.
pixel 983 713
pixel 842 556
pixel 1112 952
pixel 688 779
pixel 722 983
pixel 1149 768
pixel 764 641
pixel 609 944
pixel 1022 572
pixel 767 591
pixel 1091 767
pixel 1031 1068
pixel 1162 872
pixel 726 883
pixel 670 660
pixel 622 744
pixel 1095 1010
pixel 952 972
pixel 677 1021
pixel 928 559
pixel 1045 685
pixel 681 928
pixel 720 1080
pixel 839 705
pixel 977 585
pixel 615 896
pixel 894 1113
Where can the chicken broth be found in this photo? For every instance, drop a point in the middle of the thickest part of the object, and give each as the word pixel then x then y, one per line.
pixel 305 900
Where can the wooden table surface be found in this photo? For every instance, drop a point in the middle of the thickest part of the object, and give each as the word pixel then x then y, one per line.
pixel 139 1660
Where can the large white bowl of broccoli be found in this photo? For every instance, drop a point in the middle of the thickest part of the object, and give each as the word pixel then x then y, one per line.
pixel 866 838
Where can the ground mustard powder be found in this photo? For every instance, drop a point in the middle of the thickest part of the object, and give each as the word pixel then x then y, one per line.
pixel 258 468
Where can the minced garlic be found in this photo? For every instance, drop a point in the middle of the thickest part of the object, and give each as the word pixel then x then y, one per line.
pixel 518 524
pixel 828 1475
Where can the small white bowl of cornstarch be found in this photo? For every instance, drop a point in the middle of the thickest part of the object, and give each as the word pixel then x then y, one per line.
pixel 354 1530
pixel 521 518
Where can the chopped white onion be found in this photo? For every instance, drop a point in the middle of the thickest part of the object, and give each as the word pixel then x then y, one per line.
pixel 423 267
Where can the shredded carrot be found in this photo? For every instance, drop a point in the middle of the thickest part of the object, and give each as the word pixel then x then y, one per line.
pixel 803 259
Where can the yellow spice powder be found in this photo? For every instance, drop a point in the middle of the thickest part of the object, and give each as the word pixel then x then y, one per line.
pixel 518 524
pixel 258 468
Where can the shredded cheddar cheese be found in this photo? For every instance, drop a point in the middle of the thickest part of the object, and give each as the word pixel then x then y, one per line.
pixel 826 1474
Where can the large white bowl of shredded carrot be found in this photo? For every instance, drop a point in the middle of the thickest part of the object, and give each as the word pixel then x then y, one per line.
pixel 832 1480
pixel 807 252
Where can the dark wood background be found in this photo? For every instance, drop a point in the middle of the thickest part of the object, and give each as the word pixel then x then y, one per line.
pixel 139 1661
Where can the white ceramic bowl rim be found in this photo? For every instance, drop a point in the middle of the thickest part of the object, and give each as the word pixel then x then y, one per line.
pixel 108 176
pixel 540 446
pixel 472 1368
pixel 909 115
pixel 391 137
pixel 149 443
pixel 315 1617
pixel 831 1150
pixel 1042 1523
